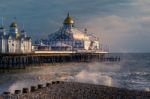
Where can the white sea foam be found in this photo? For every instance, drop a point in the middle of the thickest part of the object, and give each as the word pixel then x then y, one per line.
pixel 18 85
pixel 147 89
pixel 124 74
pixel 93 77
pixel 96 73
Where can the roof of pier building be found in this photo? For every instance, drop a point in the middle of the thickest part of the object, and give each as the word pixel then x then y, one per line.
pixel 15 36
pixel 70 33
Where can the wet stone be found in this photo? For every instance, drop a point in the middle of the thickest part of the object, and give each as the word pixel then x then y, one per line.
pixel 25 90
pixel 17 92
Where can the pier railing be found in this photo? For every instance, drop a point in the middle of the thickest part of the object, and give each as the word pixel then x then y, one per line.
pixel 8 61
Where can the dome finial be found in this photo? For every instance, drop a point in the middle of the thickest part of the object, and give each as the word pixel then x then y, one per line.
pixel 69 19
pixel 85 30
pixel 68 14
pixel 14 24
pixel 15 18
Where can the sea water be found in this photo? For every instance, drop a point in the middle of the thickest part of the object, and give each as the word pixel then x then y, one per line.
pixel 132 72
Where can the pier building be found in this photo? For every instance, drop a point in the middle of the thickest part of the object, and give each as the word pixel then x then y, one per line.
pixel 14 41
pixel 68 44
pixel 69 38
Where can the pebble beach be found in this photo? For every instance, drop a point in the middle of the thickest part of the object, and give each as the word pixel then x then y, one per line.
pixel 75 90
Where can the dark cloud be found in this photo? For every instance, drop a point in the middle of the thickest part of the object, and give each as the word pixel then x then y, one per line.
pixel 123 24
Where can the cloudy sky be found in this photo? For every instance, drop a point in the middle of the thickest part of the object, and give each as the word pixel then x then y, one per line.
pixel 123 25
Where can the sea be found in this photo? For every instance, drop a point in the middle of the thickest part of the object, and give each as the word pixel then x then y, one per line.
pixel 131 72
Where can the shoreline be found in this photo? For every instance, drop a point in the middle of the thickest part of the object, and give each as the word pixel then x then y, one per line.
pixel 76 90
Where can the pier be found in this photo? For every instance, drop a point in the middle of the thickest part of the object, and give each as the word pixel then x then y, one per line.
pixel 8 61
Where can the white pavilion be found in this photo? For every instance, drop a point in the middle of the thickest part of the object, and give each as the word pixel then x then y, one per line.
pixel 68 37
pixel 14 41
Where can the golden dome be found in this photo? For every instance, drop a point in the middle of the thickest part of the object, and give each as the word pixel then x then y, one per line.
pixel 68 20
pixel 13 24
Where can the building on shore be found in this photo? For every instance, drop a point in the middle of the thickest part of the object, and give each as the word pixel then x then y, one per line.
pixel 69 38
pixel 14 41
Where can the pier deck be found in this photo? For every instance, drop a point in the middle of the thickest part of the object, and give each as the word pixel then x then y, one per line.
pixel 39 57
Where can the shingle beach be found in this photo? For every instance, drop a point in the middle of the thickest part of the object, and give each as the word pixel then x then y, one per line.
pixel 75 90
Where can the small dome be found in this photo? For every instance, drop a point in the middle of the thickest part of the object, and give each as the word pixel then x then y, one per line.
pixel 13 24
pixel 68 20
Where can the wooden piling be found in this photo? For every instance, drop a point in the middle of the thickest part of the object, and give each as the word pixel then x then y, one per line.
pixel 17 92
pixel 32 89
pixel 19 61
pixel 40 86
pixel 25 90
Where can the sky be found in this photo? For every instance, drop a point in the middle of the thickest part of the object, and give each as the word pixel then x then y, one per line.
pixel 123 25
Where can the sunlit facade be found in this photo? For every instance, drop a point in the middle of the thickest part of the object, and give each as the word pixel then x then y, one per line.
pixel 68 37
pixel 14 41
